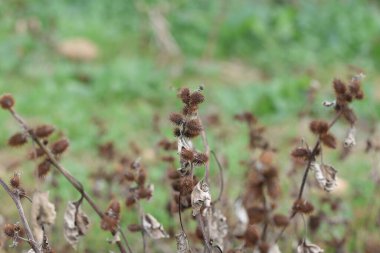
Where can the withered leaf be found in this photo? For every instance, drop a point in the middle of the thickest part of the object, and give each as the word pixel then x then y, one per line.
pixel 308 248
pixel 350 141
pixel 182 243
pixel 325 176
pixel 153 228
pixel 42 214
pixel 218 228
pixel 76 223
pixel 200 198
pixel 242 217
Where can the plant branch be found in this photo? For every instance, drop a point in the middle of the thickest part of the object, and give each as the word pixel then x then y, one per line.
pixel 16 199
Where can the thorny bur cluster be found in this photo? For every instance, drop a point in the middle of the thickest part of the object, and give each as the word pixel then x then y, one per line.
pixel 256 226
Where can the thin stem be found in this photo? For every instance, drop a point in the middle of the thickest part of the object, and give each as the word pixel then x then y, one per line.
pixel 207 151
pixel 221 178
pixel 16 199
pixel 205 237
pixel 74 182
pixel 125 239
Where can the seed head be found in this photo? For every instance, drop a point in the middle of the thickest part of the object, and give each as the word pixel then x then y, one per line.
pixel 329 140
pixel 176 118
pixel 17 139
pixel 280 220
pixel 339 87
pixel 251 236
pixel 43 168
pixel 43 131
pixel 319 126
pixel 9 230
pixel 196 98
pixel 303 206
pixel 59 147
pixel 7 101
pixel 15 180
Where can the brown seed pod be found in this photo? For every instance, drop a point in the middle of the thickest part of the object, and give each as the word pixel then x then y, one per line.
pixel 339 87
pixel 300 153
pixel 36 153
pixel 251 236
pixel 349 115
pixel 176 118
pixel 9 230
pixel 186 185
pixel 109 223
pixel 129 176
pixel 17 139
pixel 200 159
pixel 264 247
pixel 196 98
pixel 15 180
pixel 60 146
pixel 172 174
pixel 43 168
pixel 184 94
pixel 141 178
pixel 274 190
pixel 144 193
pixel 134 228
pixel 187 155
pixel 130 201
pixel 256 214
pixel 328 140
pixel 303 206
pixel 319 126
pixel 43 131
pixel 280 220
pixel 7 101
pixel 113 209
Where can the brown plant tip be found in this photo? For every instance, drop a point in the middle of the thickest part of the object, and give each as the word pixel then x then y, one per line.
pixel 7 101
pixel 187 155
pixel 17 139
pixel 15 180
pixel 186 185
pixel 9 230
pixel 339 87
pixel 184 94
pixel 251 236
pixel 280 220
pixel 200 159
pixel 130 201
pixel 134 228
pixel 329 140
pixel 144 193
pixel 176 118
pixel 59 147
pixel 319 126
pixel 303 206
pixel 300 153
pixel 43 168
pixel 43 131
pixel 264 247
pixel 196 98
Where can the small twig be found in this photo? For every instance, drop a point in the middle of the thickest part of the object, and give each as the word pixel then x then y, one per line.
pixel 74 182
pixel 205 237
pixel 124 239
pixel 16 200
pixel 221 178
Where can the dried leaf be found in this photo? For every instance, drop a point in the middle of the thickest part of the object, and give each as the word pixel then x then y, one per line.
pixel 42 214
pixel 182 243
pixel 153 228
pixel 218 228
pixel 308 248
pixel 325 176
pixel 350 141
pixel 76 223
pixel 200 198
pixel 242 216
pixel 184 143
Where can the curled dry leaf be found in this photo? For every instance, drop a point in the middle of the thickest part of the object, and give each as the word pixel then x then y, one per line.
pixel 76 223
pixel 184 143
pixel 350 141
pixel 218 228
pixel 182 243
pixel 325 176
pixel 200 198
pixel 153 228
pixel 308 248
pixel 242 217
pixel 42 214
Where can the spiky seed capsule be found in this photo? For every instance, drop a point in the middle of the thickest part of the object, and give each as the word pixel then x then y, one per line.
pixel 319 126
pixel 187 155
pixel 339 87
pixel 191 134
pixel 280 220
pixel 59 147
pixel 15 180
pixel 129 176
pixel 329 140
pixel 114 208
pixel 43 168
pixel 109 223
pixel 303 206
pixel 194 125
pixel 196 98
pixel 130 201
pixel 184 94
pixel 43 131
pixel 251 236
pixel 134 228
pixel 264 247
pixel 7 101
pixel 176 118
pixel 186 185
pixel 17 139
pixel 200 159
pixel 9 230
pixel 141 176
pixel 300 153
pixel 144 193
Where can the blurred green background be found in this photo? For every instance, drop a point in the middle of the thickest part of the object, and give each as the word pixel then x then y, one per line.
pixel 73 63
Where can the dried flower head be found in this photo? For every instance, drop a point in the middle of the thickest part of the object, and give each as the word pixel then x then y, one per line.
pixel 7 101
pixel 43 131
pixel 303 206
pixel 17 139
pixel 60 146
pixel 280 220
pixel 328 140
pixel 319 127
pixel 43 168
pixel 176 118
pixel 15 180
pixel 251 236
